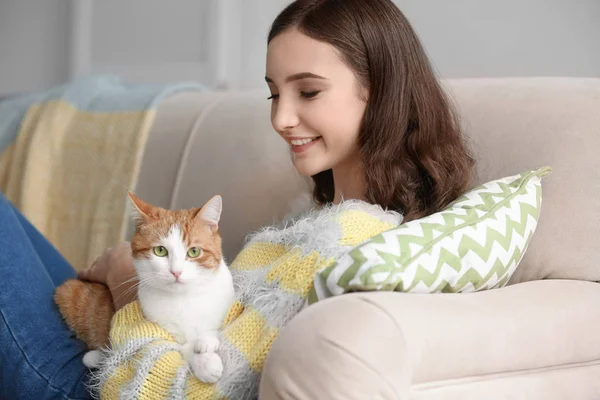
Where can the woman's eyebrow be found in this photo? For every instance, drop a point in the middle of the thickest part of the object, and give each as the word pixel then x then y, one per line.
pixel 296 77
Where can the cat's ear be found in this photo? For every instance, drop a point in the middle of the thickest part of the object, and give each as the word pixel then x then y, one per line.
pixel 210 213
pixel 145 212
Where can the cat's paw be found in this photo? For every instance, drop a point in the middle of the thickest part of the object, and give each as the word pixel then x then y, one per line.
pixel 92 359
pixel 207 344
pixel 208 367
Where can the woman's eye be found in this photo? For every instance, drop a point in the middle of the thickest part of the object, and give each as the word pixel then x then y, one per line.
pixel 309 95
pixel 273 97
pixel 160 251
pixel 194 252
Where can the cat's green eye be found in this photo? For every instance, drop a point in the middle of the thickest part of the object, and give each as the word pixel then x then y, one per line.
pixel 160 251
pixel 194 252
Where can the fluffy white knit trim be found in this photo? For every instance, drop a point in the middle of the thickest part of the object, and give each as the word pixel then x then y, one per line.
pixel 318 230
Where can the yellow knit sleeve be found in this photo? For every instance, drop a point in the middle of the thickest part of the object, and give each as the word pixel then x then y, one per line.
pixel 129 323
pixel 143 359
pixel 146 363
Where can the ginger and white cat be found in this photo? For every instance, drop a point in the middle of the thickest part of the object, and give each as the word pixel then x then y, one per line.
pixel 185 285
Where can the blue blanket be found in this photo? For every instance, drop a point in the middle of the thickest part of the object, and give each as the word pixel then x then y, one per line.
pixel 101 93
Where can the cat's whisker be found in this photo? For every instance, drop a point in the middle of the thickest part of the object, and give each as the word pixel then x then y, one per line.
pixel 133 278
pixel 133 289
pixel 129 290
pixel 141 283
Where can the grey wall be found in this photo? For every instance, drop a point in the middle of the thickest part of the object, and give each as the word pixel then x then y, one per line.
pixel 466 38
pixel 255 26
pixel 476 38
pixel 462 37
pixel 33 44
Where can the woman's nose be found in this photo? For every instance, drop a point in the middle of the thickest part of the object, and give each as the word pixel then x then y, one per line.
pixel 285 116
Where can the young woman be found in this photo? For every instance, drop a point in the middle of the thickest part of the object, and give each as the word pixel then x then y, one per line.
pixel 353 94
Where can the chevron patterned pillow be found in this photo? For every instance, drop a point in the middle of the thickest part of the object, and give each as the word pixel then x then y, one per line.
pixel 474 244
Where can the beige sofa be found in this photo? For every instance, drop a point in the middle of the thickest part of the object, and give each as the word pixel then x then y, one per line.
pixel 536 339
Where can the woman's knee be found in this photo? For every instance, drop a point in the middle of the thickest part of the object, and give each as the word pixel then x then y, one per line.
pixel 343 348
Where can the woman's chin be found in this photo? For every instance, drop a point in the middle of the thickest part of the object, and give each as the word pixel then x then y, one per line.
pixel 303 173
pixel 306 170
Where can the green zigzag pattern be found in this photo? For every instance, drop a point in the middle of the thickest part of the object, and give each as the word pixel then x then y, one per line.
pixel 493 237
pixel 489 203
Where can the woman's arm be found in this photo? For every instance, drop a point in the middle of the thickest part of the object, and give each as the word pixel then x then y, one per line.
pixel 114 268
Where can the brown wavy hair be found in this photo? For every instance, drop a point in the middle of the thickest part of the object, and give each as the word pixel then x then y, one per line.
pixel 415 157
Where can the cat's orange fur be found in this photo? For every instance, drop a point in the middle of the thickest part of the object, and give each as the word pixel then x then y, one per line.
pixel 88 307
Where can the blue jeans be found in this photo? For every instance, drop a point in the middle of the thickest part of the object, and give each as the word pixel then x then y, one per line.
pixel 40 358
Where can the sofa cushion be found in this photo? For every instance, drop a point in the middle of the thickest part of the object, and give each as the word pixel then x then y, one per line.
pixel 476 243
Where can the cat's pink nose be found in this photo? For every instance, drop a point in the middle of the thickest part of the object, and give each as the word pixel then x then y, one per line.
pixel 176 274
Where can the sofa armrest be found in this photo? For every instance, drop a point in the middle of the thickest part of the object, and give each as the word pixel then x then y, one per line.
pixel 358 345
pixel 526 326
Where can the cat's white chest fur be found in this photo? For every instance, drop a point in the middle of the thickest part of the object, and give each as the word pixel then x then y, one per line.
pixel 190 314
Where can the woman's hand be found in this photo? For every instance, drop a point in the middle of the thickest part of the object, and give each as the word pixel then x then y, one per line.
pixel 114 268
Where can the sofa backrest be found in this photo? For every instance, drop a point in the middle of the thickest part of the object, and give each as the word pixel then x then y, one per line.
pixel 527 123
pixel 207 143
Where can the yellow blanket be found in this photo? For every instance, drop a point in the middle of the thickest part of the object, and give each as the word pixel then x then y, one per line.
pixel 78 150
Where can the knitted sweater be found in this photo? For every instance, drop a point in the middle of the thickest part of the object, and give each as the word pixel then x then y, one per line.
pixel 272 277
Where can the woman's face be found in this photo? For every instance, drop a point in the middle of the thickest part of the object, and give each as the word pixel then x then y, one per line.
pixel 316 106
